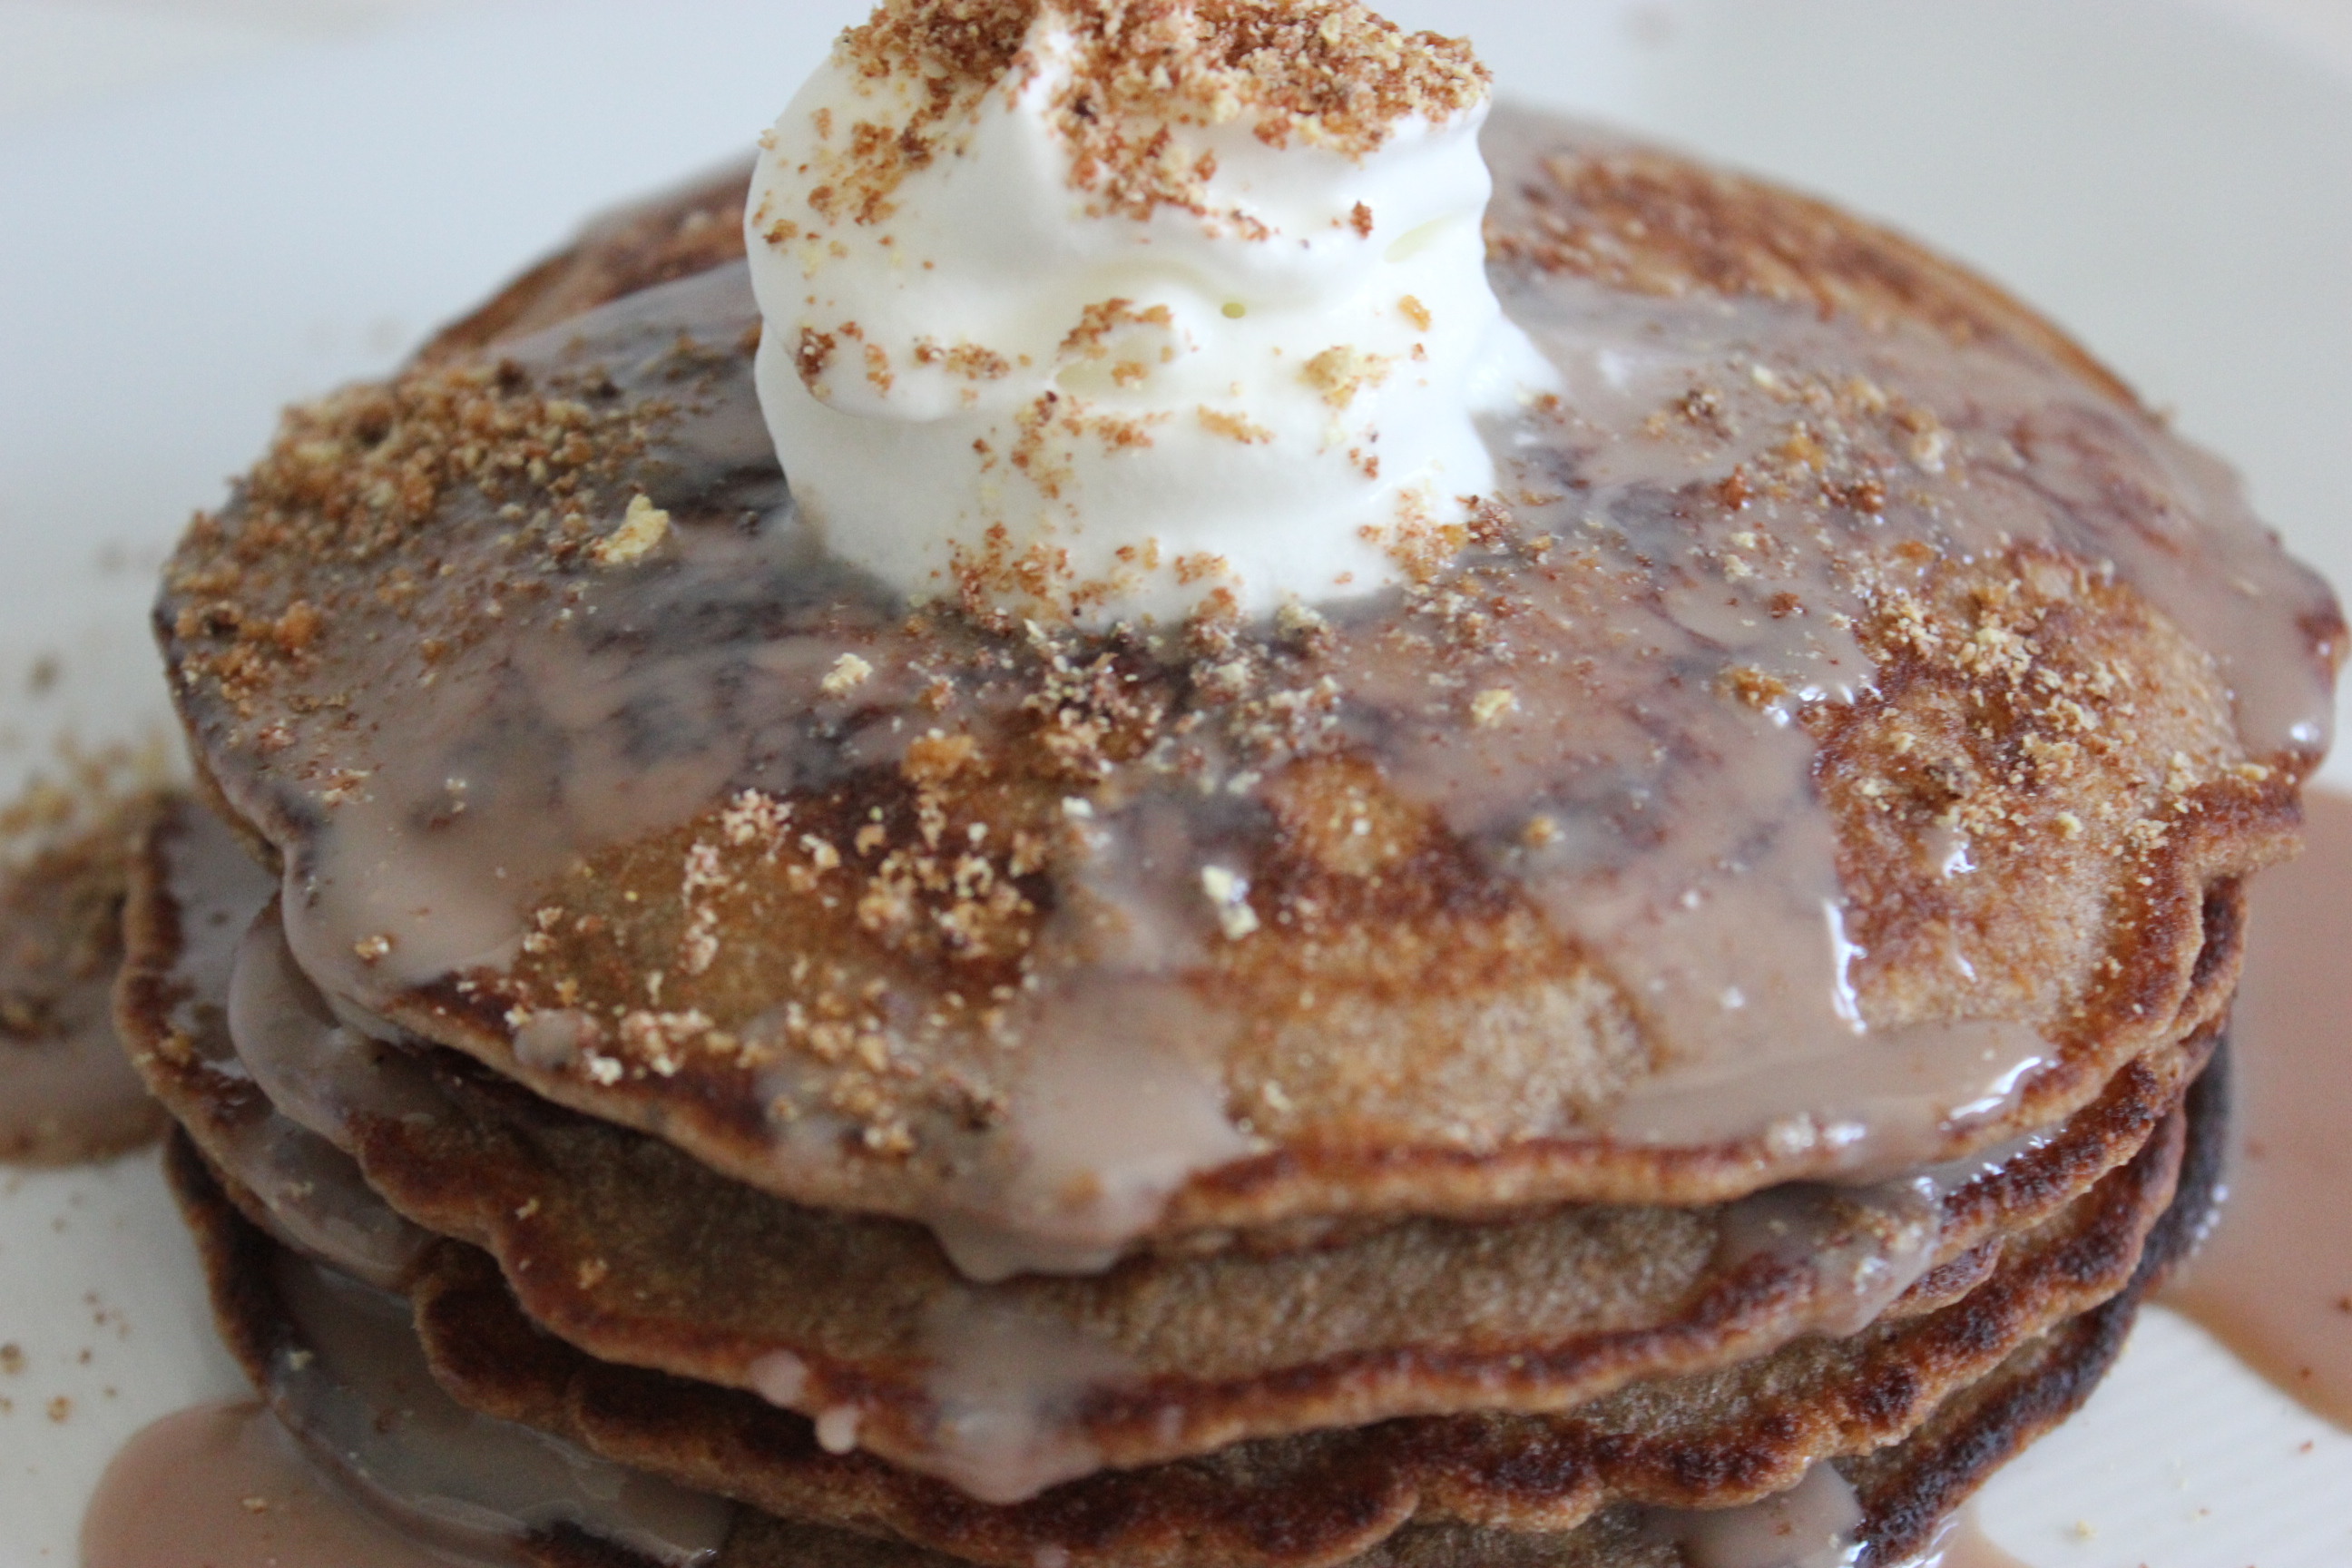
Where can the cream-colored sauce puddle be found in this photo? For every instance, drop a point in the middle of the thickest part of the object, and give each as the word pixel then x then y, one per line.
pixel 1964 1544
pixel 225 1486
pixel 2274 1280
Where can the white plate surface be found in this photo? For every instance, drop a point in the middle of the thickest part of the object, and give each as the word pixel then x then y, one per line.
pixel 2177 190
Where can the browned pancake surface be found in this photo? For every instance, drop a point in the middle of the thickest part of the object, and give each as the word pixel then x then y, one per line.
pixel 698 227
pixel 827 930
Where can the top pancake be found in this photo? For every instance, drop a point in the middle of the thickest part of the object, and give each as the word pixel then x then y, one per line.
pixel 1827 754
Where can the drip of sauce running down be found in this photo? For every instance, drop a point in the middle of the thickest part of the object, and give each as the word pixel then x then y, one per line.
pixel 1007 1385
pixel 359 1460
pixel 361 1395
pixel 225 1486
pixel 2274 1281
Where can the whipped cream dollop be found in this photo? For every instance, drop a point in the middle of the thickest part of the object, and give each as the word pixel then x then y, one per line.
pixel 1102 310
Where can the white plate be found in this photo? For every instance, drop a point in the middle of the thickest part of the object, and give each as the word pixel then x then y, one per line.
pixel 2177 192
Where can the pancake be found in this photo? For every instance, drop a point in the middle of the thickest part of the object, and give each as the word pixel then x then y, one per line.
pixel 1688 1021
pixel 336 1364
pixel 623 1247
pixel 1904 1488
pixel 1690 1442
pixel 1837 750
pixel 174 1029
pixel 691 229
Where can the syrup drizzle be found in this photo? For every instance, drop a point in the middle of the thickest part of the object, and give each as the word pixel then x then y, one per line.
pixel 360 1393
pixel 312 1195
pixel 1687 848
pixel 1755 867
pixel 360 1460
pixel 1005 1383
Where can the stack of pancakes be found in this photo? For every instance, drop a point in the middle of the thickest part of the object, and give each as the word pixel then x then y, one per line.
pixel 1675 1038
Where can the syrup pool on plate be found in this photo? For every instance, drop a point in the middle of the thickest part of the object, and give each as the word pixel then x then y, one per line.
pixel 224 1484
pixel 2273 1281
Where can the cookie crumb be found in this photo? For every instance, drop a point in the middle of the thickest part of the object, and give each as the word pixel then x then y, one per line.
pixel 848 673
pixel 642 528
pixel 1490 706
pixel 1230 894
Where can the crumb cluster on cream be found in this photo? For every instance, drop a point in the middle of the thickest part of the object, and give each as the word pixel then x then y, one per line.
pixel 1108 309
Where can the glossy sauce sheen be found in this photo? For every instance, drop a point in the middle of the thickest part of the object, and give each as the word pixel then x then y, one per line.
pixel 1687 847
pixel 350 1381
pixel 359 1459
pixel 362 1395
pixel 1007 1383
pixel 2274 1280
pixel 1687 853
pixel 223 1486
pixel 312 1195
